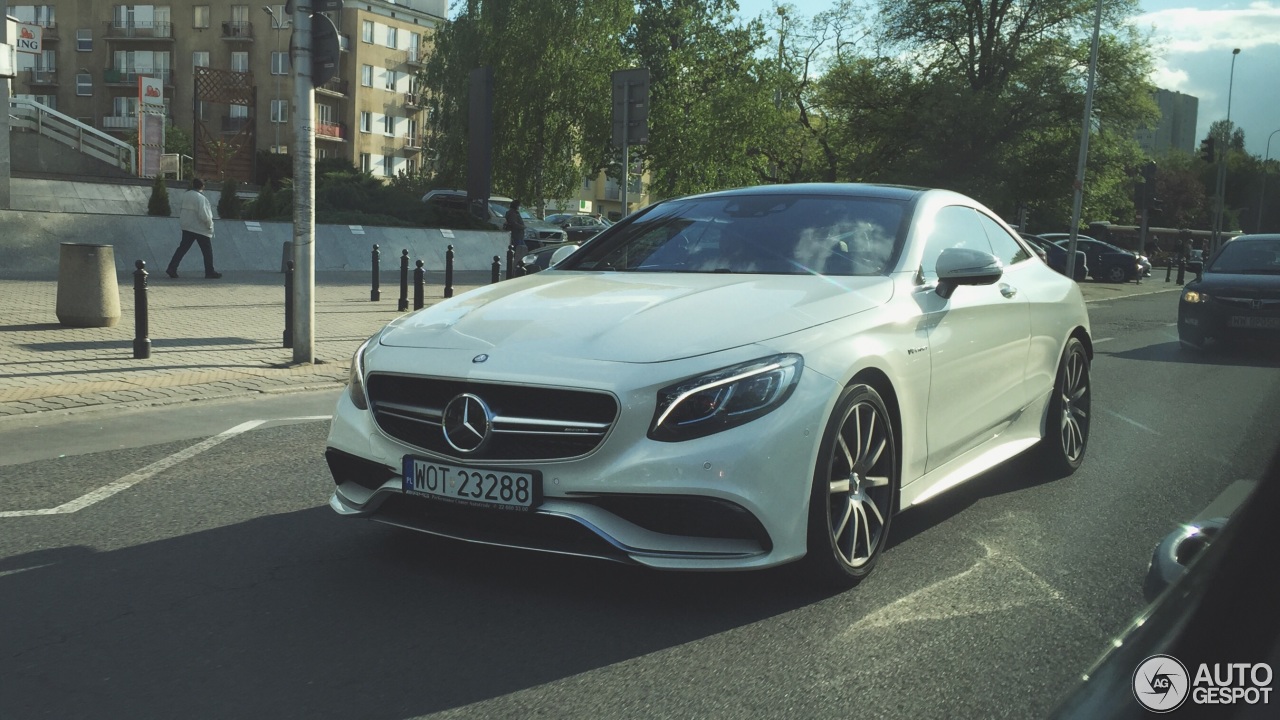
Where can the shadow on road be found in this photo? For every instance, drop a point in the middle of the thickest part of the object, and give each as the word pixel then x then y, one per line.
pixel 1244 355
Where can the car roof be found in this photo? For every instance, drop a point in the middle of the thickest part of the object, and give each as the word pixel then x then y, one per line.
pixel 895 192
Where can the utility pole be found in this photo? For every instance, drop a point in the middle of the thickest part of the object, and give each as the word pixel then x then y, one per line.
pixel 6 164
pixel 304 187
pixel 1078 198
pixel 1221 192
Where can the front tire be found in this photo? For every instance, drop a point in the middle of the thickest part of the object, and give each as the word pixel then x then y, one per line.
pixel 855 486
pixel 1066 436
pixel 1116 274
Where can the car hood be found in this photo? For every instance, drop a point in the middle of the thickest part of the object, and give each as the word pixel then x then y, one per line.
pixel 1250 285
pixel 634 317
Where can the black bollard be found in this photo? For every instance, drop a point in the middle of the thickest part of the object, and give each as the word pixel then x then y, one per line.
pixel 497 270
pixel 141 343
pixel 288 305
pixel 404 282
pixel 375 294
pixel 511 260
pixel 1168 270
pixel 1182 271
pixel 448 272
pixel 419 283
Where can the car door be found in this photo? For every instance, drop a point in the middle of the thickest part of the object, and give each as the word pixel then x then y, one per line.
pixel 979 340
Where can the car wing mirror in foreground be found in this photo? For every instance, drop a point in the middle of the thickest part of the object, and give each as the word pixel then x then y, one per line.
pixel 962 266
pixel 561 254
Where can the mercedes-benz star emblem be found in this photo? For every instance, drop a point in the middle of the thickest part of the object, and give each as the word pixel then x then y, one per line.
pixel 467 423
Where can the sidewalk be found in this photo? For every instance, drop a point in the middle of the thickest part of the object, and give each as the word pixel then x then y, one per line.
pixel 209 339
pixel 217 339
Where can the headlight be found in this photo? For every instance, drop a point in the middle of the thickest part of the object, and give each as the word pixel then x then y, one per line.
pixel 355 380
pixel 529 259
pixel 530 233
pixel 1192 296
pixel 723 399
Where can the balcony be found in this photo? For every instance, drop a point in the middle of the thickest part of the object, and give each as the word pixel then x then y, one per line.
pixel 231 124
pixel 119 123
pixel 415 100
pixel 41 77
pixel 48 30
pixel 334 132
pixel 336 87
pixel 237 30
pixel 344 43
pixel 129 76
pixel 415 57
pixel 412 144
pixel 133 30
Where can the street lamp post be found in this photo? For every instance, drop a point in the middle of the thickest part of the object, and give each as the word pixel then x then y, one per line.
pixel 1222 167
pixel 1262 194
pixel 277 23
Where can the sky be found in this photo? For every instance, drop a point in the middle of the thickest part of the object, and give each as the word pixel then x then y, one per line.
pixel 1193 41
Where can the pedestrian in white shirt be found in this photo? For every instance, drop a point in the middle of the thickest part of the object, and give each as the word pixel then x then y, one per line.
pixel 197 226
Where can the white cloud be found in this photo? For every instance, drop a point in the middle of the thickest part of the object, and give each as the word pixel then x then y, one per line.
pixel 1188 30
pixel 1171 79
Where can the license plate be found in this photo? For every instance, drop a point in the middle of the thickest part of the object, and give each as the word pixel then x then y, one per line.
pixel 1272 323
pixel 479 487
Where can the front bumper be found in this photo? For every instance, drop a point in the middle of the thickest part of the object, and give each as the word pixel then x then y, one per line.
pixel 737 499
pixel 1230 319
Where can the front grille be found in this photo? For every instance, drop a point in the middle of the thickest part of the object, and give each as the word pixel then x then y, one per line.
pixel 530 423
pixel 1249 303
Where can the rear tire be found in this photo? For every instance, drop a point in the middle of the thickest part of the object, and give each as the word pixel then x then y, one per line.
pixel 855 489
pixel 1066 436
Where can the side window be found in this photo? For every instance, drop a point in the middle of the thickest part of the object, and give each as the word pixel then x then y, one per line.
pixel 955 226
pixel 1003 245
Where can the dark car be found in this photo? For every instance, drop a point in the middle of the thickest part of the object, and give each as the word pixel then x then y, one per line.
pixel 1218 613
pixel 1106 261
pixel 536 232
pixel 1056 257
pixel 1237 297
pixel 579 227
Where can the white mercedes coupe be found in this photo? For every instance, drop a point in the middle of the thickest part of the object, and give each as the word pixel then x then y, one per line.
pixel 727 381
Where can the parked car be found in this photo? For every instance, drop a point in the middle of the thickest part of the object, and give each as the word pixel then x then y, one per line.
pixel 1106 261
pixel 536 232
pixel 1236 297
pixel 1056 256
pixel 726 381
pixel 546 256
pixel 579 227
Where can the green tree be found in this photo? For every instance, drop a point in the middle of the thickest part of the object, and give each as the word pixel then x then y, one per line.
pixel 551 61
pixel 229 201
pixel 159 202
pixel 712 97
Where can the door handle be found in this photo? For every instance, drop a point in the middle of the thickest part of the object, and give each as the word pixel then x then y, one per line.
pixel 1008 291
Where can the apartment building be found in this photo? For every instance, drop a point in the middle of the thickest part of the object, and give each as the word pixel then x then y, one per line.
pixel 371 113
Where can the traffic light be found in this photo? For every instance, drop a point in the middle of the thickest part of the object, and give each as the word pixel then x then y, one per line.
pixel 1206 149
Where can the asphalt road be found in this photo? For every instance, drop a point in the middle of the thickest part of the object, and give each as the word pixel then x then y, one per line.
pixel 215 582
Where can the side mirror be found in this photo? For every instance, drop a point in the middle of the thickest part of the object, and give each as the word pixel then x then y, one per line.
pixel 961 266
pixel 561 254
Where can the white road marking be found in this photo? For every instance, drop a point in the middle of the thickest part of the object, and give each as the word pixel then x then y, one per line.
pixel 134 478
pixel 1099 341
pixel 15 572
pixel 1134 423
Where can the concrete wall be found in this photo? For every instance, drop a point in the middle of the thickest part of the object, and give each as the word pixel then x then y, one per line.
pixel 29 243
pixel 33 153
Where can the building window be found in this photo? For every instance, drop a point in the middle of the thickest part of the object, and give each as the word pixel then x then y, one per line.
pixel 391 37
pixel 279 63
pixel 279 111
pixel 411 166
pixel 239 111
pixel 200 16
pixel 387 162
pixel 240 62
pixel 366 75
pixel 279 19
pixel 388 125
pixel 202 110
pixel 392 77
pixel 366 163
pixel 84 40
pixel 200 58
pixel 366 31
pixel 84 84
pixel 324 114
pixel 322 153
pixel 366 122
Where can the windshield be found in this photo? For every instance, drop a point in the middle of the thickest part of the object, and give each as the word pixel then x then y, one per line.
pixel 501 209
pixel 1248 257
pixel 767 234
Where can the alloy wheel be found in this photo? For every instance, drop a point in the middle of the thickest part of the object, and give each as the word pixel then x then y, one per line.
pixel 860 492
pixel 1074 401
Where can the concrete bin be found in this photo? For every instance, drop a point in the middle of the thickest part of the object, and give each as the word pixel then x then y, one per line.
pixel 88 295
